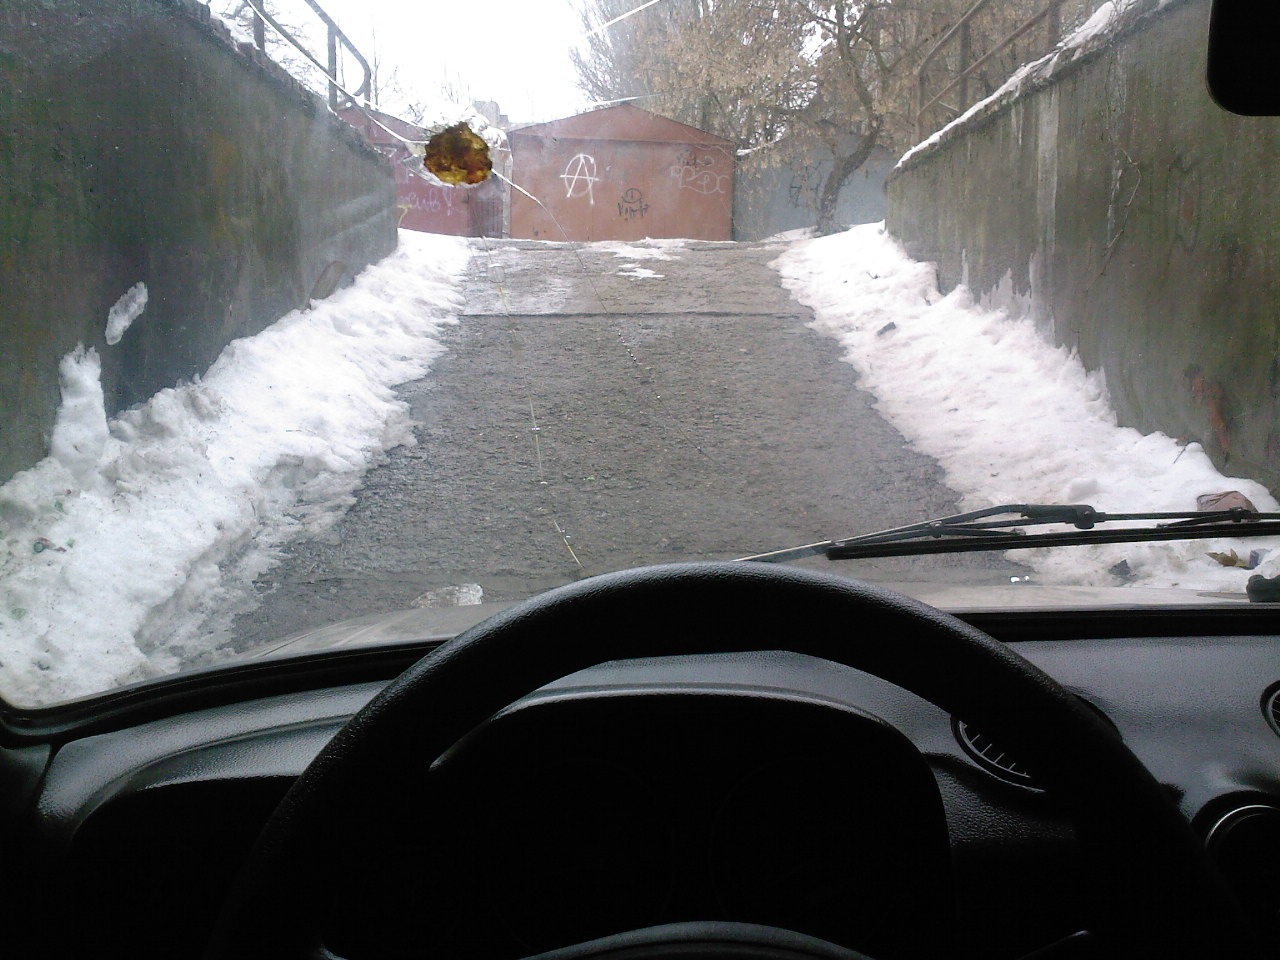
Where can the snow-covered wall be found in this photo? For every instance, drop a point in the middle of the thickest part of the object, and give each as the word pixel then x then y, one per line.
pixel 1106 193
pixel 162 192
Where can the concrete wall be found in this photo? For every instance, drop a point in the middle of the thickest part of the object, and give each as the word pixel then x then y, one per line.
pixel 138 143
pixel 770 197
pixel 1137 220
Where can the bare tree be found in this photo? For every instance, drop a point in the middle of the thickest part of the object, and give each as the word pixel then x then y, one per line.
pixel 805 75
pixel 831 78
pixel 240 15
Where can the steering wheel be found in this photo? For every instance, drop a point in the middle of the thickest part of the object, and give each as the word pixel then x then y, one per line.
pixel 1157 894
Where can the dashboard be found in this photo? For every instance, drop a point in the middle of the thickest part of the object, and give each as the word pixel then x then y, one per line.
pixel 769 788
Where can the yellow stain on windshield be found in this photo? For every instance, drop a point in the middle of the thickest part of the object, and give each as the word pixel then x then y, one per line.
pixel 457 155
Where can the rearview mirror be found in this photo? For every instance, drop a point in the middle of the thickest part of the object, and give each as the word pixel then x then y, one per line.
pixel 1244 63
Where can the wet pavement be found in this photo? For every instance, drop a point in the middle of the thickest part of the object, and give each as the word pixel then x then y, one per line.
pixel 590 416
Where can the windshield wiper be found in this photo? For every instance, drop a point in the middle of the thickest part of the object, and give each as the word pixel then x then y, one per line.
pixel 982 530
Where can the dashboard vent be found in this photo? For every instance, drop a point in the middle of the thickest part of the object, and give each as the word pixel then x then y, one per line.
pixel 994 759
pixel 991 756
pixel 1271 708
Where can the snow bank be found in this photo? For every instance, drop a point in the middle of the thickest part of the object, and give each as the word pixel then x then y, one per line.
pixel 1009 416
pixel 117 549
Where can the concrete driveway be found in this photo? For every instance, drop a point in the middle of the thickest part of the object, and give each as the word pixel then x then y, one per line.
pixel 604 406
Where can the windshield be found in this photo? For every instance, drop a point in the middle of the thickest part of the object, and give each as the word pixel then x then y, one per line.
pixel 322 311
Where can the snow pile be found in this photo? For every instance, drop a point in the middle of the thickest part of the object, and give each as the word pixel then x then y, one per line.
pixel 80 433
pixel 126 310
pixel 1010 417
pixel 117 549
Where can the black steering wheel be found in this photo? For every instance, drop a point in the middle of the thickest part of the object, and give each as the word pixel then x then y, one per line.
pixel 1157 894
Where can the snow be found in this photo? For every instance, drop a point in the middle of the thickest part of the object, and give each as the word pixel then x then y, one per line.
pixel 129 550
pixel 79 436
pixel 1101 21
pixel 640 273
pixel 786 236
pixel 461 595
pixel 1010 417
pixel 1094 32
pixel 116 549
pixel 126 310
pixel 649 250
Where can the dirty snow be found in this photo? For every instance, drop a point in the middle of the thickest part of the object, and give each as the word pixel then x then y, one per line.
pixel 117 548
pixel 1011 417
pixel 126 310
pixel 462 595
pixel 640 273
pixel 786 236
pixel 648 250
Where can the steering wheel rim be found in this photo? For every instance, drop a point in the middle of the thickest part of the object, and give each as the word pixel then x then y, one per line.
pixel 1160 894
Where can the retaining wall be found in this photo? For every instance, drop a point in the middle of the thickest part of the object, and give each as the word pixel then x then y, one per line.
pixel 139 143
pixel 1135 219
pixel 770 196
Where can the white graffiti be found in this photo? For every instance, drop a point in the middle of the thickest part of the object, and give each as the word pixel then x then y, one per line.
pixel 430 200
pixel 580 178
pixel 700 180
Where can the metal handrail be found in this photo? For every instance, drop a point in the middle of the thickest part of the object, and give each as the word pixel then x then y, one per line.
pixel 968 66
pixel 335 36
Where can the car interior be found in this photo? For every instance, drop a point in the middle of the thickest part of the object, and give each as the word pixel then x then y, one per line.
pixel 697 760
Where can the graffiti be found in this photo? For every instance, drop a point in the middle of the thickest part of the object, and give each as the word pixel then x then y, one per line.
pixel 801 190
pixel 689 158
pixel 580 178
pixel 1184 201
pixel 425 199
pixel 632 205
pixel 693 172
pixel 702 180
pixel 1211 395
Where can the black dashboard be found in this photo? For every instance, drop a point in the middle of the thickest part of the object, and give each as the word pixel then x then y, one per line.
pixel 771 788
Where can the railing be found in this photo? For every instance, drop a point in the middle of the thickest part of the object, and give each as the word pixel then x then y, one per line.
pixel 968 66
pixel 338 97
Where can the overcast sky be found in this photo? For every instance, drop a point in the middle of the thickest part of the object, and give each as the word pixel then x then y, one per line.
pixel 513 51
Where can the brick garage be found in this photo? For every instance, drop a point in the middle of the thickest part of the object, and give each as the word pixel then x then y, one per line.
pixel 621 173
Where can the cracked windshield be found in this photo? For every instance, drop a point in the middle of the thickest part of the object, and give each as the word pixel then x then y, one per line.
pixel 334 311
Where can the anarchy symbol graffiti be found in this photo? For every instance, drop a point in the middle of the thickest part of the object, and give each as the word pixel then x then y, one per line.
pixel 580 178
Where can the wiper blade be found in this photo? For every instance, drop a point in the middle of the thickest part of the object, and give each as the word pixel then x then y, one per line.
pixel 1004 528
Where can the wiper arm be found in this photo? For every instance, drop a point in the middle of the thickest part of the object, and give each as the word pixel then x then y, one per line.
pixel 980 530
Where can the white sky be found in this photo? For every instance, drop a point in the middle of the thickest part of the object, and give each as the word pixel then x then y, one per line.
pixel 513 51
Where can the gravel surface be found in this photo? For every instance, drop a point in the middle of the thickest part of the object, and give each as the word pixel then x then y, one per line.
pixel 588 417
